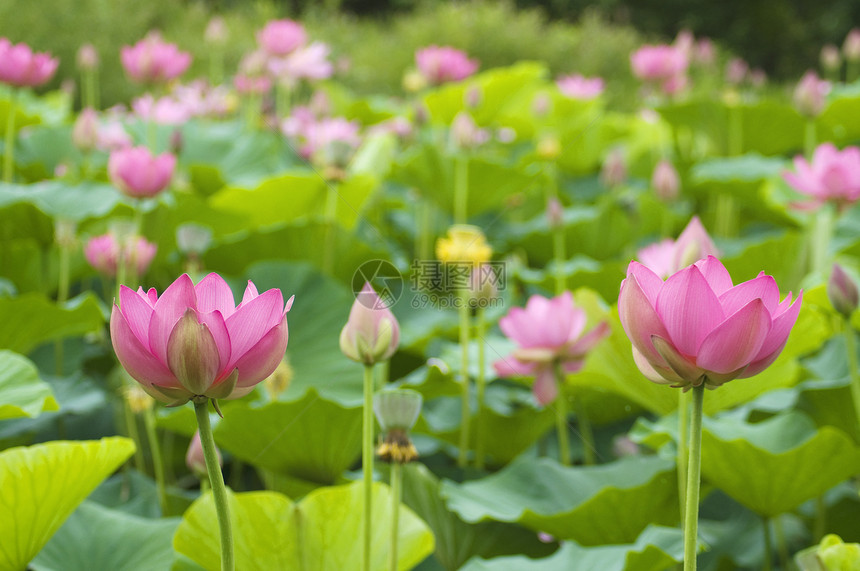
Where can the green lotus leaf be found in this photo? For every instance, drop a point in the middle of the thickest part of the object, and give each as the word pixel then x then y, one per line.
pixel 41 485
pixel 31 319
pixel 579 503
pixel 22 392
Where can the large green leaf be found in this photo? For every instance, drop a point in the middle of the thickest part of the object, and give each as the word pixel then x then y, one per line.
pixel 581 504
pixel 41 485
pixel 775 465
pixel 96 537
pixel 320 533
pixel 22 392
pixel 295 438
pixel 656 549
pixel 31 319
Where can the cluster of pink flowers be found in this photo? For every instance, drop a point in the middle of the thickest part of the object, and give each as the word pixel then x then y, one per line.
pixel 184 102
pixel 580 87
pixel 92 131
pixel 103 253
pixel 662 65
pixel 21 67
pixel 832 176
pixel 443 64
pixel 328 141
pixel 738 72
pixel 152 60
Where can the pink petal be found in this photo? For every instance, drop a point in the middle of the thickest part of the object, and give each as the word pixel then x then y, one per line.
pixel 172 304
pixel 589 340
pixel 192 354
pixel 689 309
pixel 218 328
pixel 779 332
pixel 213 294
pixel 681 365
pixel 735 342
pixel 250 292
pixel 640 320
pixel 545 388
pixel 510 367
pixel 136 358
pixel 252 321
pixel 137 312
pixel 663 376
pixel 263 358
pixel 763 287
pixel 715 274
pixel 649 282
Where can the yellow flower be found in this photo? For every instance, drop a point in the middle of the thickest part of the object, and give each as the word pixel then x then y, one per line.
pixel 464 243
pixel 279 380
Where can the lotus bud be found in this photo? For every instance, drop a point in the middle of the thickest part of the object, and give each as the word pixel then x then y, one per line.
pixel 65 232
pixel 830 58
pixel 464 244
pixel 665 181
pixel 810 95
pixel 832 554
pixel 195 460
pixel 473 97
pixel 842 291
pixel 541 105
pixel 554 213
pixel 397 411
pixel 279 381
pixel 851 47
pixel 372 333
pixel 465 133
pixel 483 285
pixel 176 142
pixel 85 133
pixel 216 32
pixel 614 170
pixel 87 57
pixel 193 239
pixel 623 446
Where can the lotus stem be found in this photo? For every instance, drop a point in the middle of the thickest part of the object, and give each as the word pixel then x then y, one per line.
pixel 561 419
pixel 367 465
pixel 781 545
pixel 133 432
pixel 480 385
pixel 768 545
pixel 854 372
pixel 330 221
pixel 9 148
pixel 821 231
pixel 691 515
pixel 216 480
pixel 157 461
pixel 396 493
pixel 461 190
pixel 810 139
pixel 681 461
pixel 585 432
pixel 465 411
pixel 62 296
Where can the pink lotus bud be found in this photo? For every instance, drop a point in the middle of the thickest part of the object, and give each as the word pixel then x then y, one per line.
pixel 736 71
pixel 443 64
pixel 152 60
pixel 193 341
pixel 541 105
pixel 103 252
pixel 705 53
pixel 698 328
pixel 193 239
pixel 195 459
pixel 473 97
pixel 831 176
pixel 810 95
pixel 21 67
pixel 554 213
pixel 758 77
pixel 851 47
pixel 580 87
pixel 830 58
pixel 87 58
pixel 372 333
pixel 668 256
pixel 137 173
pixel 216 32
pixel 614 170
pixel 465 133
pixel 665 181
pixel 484 284
pixel 658 63
pixel 281 37
pixel 85 133
pixel 547 331
pixel 842 291
pixel 176 142
pixel 623 446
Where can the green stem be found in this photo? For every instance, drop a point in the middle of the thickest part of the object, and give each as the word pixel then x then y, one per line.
pixel 157 461
pixel 425 230
pixel 9 148
pixel 559 255
pixel 726 215
pixel 461 190
pixel 462 458
pixel 395 513
pixel 810 138
pixel 134 434
pixel 853 370
pixel 822 229
pixel 820 524
pixel 781 545
pixel 480 385
pixel 561 418
pixel 330 222
pixel 683 411
pixel 585 431
pixel 367 465
pixel 216 66
pixel 768 545
pixel 216 480
pixel 62 296
pixel 691 515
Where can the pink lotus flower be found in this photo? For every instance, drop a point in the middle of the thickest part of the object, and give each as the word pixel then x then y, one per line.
pixel 580 87
pixel 832 175
pixel 87 57
pixel 249 84
pixel 810 95
pixel 137 173
pixel 309 63
pixel 737 71
pixel 112 137
pixel 20 67
pixel 152 60
pixel 102 253
pixel 668 256
pixel 658 63
pixel 465 133
pixel 164 110
pixel 697 327
pixel 281 37
pixel 441 64
pixel 851 47
pixel 85 133
pixel 548 331
pixel 192 341
pixel 372 333
pixel 665 181
pixel 195 460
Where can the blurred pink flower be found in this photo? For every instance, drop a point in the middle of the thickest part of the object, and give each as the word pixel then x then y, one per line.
pixel 112 136
pixel 851 47
pixel 85 133
pixel 152 60
pixel 216 31
pixel 830 58
pixel 254 85
pixel 21 67
pixel 665 181
pixel 705 53
pixel 164 110
pixel 547 331
pixel 810 94
pixel 309 62
pixel 465 133
pixel 666 257
pixel 736 71
pixel 281 37
pixel 833 175
pixel 102 253
pixel 87 57
pixel 329 141
pixel 613 172
pixel 697 327
pixel 441 64
pixel 193 341
pixel 579 87
pixel 137 173
pixel 658 63
pixel 195 460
